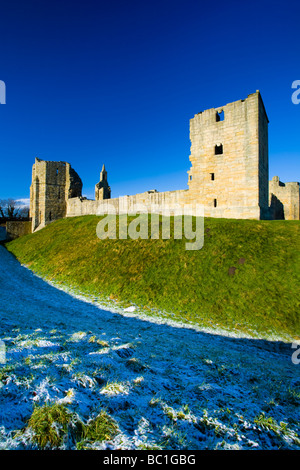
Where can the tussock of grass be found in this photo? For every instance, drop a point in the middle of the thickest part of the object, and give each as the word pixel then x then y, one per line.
pixel 245 277
pixel 101 428
pixel 281 430
pixel 49 424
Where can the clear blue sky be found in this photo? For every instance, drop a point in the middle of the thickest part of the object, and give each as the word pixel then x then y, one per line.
pixel 116 82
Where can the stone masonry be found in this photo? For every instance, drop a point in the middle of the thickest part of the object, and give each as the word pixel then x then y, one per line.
pixel 102 189
pixel 284 200
pixel 229 156
pixel 53 183
pixel 17 228
pixel 228 176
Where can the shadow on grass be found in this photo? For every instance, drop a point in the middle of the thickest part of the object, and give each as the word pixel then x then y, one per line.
pixel 176 366
pixel 35 302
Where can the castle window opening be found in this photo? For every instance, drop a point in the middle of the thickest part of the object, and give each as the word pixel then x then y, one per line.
pixel 219 149
pixel 212 176
pixel 191 177
pixel 220 116
pixel 215 203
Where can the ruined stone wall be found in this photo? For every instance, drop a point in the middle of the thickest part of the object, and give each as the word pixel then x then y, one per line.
pixel 37 193
pixel 151 200
pixel 284 200
pixel 17 228
pixel 263 161
pixel 229 156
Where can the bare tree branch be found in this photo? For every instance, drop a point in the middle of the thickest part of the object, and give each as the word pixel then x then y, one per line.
pixel 10 209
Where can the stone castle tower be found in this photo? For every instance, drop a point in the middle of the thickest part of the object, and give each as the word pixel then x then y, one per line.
pixel 229 156
pixel 53 183
pixel 102 189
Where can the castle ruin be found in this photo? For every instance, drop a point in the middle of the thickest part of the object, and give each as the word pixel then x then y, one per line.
pixel 53 184
pixel 229 174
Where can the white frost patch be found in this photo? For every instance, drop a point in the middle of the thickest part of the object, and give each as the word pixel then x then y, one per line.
pixel 78 336
pixel 42 343
pixel 115 388
pixel 132 308
pixel 68 399
pixel 41 393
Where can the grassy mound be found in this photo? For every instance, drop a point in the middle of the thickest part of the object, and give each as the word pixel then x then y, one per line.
pixel 246 276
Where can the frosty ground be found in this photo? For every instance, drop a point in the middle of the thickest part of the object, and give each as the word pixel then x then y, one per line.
pixel 167 386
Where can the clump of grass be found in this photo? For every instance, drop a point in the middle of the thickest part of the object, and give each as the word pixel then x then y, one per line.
pixel 195 286
pixel 92 339
pixel 84 380
pixel 101 428
pixel 49 424
pixel 103 344
pixel 4 372
pixel 293 396
pixel 281 430
pixel 78 336
pixel 268 423
pixel 114 388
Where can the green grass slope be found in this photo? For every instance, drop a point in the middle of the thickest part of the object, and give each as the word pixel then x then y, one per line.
pixel 245 277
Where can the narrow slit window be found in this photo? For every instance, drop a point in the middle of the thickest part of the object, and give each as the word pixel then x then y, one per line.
pixel 212 176
pixel 219 149
pixel 215 203
pixel 191 177
pixel 220 116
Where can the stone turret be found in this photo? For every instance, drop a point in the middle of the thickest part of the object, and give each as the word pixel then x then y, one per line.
pixel 102 189
pixel 53 183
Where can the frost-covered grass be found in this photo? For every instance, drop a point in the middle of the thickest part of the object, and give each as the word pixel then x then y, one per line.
pixel 49 424
pixel 154 385
pixel 101 428
pixel 210 392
